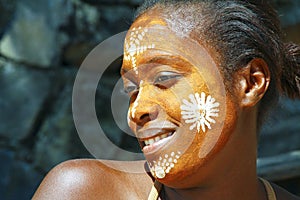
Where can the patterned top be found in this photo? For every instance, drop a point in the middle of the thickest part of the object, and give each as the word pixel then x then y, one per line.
pixel 156 189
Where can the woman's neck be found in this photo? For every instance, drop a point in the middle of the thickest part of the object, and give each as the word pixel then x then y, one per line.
pixel 236 190
pixel 231 177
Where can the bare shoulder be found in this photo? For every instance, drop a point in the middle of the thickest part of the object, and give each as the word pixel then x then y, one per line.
pixel 92 179
pixel 283 194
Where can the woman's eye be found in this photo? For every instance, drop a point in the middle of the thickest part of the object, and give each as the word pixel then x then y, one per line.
pixel 166 80
pixel 163 78
pixel 130 89
pixel 132 92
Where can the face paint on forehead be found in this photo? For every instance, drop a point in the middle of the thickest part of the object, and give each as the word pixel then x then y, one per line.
pixel 136 45
pixel 199 111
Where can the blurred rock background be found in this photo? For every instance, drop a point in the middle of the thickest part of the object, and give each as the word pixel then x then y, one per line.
pixel 43 43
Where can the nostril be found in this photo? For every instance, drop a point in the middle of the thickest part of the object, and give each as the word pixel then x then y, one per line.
pixel 144 116
pixel 144 119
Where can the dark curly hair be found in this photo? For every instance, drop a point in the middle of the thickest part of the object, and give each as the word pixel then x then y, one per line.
pixel 239 31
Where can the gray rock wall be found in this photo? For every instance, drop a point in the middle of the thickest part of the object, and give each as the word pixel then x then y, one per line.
pixel 42 44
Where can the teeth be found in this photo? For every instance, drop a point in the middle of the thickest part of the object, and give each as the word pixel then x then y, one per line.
pixel 157 138
pixel 151 141
pixel 164 136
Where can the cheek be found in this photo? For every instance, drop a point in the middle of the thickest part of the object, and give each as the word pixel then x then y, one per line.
pixel 171 100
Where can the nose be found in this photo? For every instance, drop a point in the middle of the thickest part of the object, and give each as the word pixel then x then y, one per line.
pixel 144 114
pixel 144 109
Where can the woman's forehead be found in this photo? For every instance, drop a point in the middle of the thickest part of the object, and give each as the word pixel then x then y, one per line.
pixel 181 20
pixel 152 34
pixel 150 18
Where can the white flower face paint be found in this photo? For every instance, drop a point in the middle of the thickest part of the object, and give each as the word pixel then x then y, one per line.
pixel 163 166
pixel 136 45
pixel 199 111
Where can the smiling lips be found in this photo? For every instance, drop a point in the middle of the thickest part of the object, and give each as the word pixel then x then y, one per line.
pixel 155 135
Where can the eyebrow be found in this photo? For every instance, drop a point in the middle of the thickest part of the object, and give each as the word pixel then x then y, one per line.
pixel 123 71
pixel 167 59
pixel 124 67
pixel 174 61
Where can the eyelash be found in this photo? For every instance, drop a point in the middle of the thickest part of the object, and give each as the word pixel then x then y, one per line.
pixel 164 78
pixel 166 81
pixel 162 81
pixel 129 89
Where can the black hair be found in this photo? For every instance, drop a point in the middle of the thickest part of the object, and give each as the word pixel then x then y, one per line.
pixel 241 30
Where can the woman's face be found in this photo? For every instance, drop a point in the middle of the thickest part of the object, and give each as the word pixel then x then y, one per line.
pixel 177 99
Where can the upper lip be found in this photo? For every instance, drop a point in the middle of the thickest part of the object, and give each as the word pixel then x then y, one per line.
pixel 155 128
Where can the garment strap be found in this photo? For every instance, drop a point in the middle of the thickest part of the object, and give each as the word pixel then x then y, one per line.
pixel 155 190
pixel 269 189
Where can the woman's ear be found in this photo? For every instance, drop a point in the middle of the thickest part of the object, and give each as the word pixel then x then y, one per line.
pixel 253 81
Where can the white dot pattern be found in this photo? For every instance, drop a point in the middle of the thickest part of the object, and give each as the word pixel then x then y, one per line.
pixel 135 46
pixel 163 166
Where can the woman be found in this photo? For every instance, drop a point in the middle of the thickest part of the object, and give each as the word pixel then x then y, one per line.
pixel 201 76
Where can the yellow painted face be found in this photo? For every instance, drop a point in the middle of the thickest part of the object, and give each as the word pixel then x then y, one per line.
pixel 177 107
